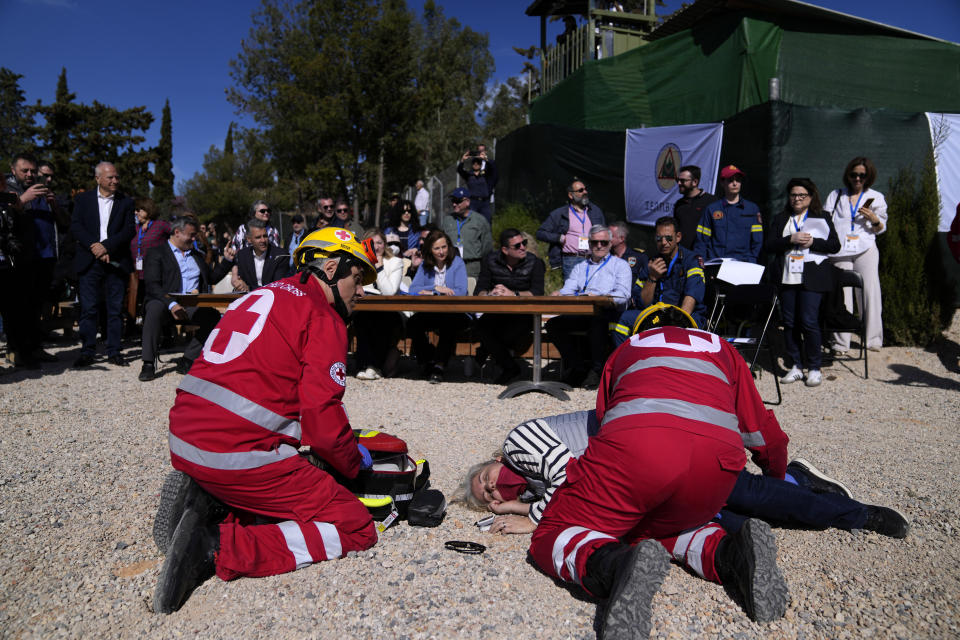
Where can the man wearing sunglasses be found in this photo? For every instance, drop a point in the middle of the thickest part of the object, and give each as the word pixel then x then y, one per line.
pixel 511 271
pixel 469 231
pixel 731 227
pixel 261 211
pixel 567 228
pixel 673 277
pixel 601 274
pixel 689 208
pixel 324 212
pixel 343 218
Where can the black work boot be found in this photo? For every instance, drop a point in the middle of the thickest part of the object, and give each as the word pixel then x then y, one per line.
pixel 628 576
pixel 179 488
pixel 886 522
pixel 747 561
pixel 191 556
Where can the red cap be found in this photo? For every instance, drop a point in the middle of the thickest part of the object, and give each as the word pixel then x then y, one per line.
pixel 729 171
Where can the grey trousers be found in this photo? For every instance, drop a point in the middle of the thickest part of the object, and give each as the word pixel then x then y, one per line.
pixel 867 264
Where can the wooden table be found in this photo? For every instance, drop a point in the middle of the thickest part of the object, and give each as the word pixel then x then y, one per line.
pixel 535 306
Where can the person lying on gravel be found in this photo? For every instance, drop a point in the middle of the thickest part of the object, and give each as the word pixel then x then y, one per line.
pixel 269 380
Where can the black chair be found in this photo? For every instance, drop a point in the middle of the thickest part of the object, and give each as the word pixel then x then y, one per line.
pixel 762 300
pixel 835 318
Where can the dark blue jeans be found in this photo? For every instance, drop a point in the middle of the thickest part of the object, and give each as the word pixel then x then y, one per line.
pixel 801 320
pixel 568 262
pixel 112 283
pixel 786 504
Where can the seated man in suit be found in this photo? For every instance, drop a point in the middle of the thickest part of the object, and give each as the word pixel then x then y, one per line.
pixel 260 262
pixel 176 267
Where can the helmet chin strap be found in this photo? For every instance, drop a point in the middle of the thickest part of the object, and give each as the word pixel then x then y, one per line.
pixel 342 266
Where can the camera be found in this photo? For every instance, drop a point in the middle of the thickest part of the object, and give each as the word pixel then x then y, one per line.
pixel 9 223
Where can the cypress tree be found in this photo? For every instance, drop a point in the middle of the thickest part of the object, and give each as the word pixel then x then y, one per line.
pixel 163 168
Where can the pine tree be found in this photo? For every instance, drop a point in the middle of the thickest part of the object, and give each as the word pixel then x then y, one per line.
pixel 16 118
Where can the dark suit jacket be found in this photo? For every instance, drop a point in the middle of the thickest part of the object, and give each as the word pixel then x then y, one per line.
pixel 275 267
pixel 161 273
pixel 816 277
pixel 85 227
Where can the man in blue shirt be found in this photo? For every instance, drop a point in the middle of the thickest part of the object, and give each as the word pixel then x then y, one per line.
pixel 601 274
pixel 673 277
pixel 177 267
pixel 731 227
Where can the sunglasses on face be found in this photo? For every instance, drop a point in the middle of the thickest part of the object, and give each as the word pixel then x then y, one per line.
pixel 342 210
pixel 599 243
pixel 263 211
pixel 857 176
pixel 684 180
pixel 326 206
pixel 664 238
pixel 583 190
pixel 799 196
pixel 522 243
pixel 457 200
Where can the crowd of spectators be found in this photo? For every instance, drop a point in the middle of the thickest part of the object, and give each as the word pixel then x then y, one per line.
pixel 126 261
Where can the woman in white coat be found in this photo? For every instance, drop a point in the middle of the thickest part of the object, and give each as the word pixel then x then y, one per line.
pixel 860 215
pixel 378 332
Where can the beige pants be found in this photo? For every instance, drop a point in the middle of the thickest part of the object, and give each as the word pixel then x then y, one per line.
pixel 867 264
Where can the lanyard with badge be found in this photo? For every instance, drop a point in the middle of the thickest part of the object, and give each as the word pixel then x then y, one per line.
pixel 586 280
pixel 583 243
pixel 796 255
pixel 667 274
pixel 460 224
pixel 140 233
pixel 851 243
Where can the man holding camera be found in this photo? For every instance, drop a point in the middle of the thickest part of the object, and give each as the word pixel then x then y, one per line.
pixel 481 180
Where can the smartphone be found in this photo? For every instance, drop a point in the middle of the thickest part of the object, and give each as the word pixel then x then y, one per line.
pixel 868 202
pixel 484 523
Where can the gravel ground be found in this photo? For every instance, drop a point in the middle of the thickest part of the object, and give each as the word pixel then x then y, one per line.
pixel 83 454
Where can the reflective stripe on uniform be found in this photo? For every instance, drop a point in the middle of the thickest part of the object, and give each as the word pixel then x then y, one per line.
pixel 678 408
pixel 622 328
pixel 237 404
pixel 689 547
pixel 683 364
pixel 704 230
pixel 757 228
pixel 753 439
pixel 296 543
pixel 331 540
pixel 233 461
pixel 696 271
pixel 640 283
pixel 569 560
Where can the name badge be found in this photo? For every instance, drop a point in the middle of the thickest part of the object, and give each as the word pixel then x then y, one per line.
pixel 459 246
pixel 796 263
pixel 583 244
pixel 851 243
pixel 139 264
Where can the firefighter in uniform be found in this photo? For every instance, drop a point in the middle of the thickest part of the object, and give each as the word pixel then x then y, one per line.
pixel 270 379
pixel 676 279
pixel 731 227
pixel 676 406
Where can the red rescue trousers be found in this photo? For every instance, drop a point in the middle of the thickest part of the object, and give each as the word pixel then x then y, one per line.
pixel 637 483
pixel 311 517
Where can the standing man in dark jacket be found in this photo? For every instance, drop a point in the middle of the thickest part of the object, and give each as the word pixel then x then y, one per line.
pixel 567 229
pixel 177 267
pixel 481 180
pixel 103 225
pixel 511 271
pixel 689 208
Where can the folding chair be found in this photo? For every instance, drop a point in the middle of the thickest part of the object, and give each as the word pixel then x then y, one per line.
pixel 761 298
pixel 841 321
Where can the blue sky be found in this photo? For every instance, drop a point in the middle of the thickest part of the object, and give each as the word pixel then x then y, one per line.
pixel 127 54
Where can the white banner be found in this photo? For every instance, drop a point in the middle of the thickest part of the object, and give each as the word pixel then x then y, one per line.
pixel 652 160
pixel 945 135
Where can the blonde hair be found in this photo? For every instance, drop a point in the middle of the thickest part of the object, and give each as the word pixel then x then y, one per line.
pixel 464 492
pixel 377 231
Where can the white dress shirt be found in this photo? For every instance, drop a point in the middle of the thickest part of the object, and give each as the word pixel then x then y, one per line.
pixel 105 204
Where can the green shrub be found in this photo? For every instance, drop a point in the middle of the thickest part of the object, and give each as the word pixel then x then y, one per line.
pixel 910 275
pixel 520 217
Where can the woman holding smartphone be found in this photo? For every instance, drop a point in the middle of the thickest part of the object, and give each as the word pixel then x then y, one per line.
pixel 860 215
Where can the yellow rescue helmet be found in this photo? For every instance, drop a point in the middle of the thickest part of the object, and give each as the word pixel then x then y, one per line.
pixel 662 314
pixel 331 241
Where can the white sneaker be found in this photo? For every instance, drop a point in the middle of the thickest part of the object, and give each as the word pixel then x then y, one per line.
pixel 793 375
pixel 813 378
pixel 368 374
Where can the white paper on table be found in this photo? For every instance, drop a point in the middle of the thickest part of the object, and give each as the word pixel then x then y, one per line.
pixel 737 272
pixel 713 261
